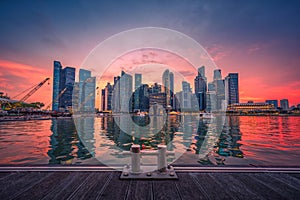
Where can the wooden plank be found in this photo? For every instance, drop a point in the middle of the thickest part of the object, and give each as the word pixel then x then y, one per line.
pixel 140 189
pixel 93 186
pixel 115 189
pixel 262 191
pixel 283 189
pixel 15 185
pixel 67 186
pixel 287 179
pixel 38 191
pixel 235 188
pixel 165 189
pixel 210 186
pixel 188 188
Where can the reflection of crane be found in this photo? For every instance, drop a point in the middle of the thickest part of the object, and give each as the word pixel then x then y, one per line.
pixel 59 95
pixel 34 89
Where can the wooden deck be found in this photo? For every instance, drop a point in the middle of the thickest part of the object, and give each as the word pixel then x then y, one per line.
pixel 107 185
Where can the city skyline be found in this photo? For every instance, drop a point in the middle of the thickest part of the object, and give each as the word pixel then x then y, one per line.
pixel 263 50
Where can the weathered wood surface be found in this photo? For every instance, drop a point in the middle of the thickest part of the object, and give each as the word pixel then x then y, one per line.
pixel 107 185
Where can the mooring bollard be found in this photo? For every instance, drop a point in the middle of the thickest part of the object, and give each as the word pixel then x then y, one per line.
pixel 162 172
pixel 135 158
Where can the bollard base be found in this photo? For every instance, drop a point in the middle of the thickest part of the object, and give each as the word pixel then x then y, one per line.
pixel 169 174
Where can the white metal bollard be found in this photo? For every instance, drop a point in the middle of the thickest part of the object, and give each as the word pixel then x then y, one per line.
pixel 135 158
pixel 162 158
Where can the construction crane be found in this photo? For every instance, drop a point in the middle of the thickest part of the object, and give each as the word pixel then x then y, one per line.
pixel 34 90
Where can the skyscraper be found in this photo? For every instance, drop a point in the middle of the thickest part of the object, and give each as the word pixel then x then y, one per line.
pixel 172 89
pixel 232 87
pixel 200 87
pixel 168 86
pixel 219 88
pixel 67 80
pixel 107 97
pixel 116 95
pixel 87 85
pixel 137 84
pixel 56 79
pixel 125 92
pixel 186 103
pixel 284 104
pixel 63 84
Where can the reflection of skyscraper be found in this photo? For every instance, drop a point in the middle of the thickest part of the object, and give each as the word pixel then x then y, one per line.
pixel 201 88
pixel 56 78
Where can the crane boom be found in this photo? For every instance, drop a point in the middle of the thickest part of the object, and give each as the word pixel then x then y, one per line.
pixel 34 89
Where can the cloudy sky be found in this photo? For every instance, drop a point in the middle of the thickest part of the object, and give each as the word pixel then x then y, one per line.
pixel 258 39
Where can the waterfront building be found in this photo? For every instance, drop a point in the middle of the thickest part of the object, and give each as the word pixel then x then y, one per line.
pixel 284 104
pixel 137 85
pixel 274 102
pixel 87 86
pixel 63 84
pixel 56 79
pixel 172 89
pixel 200 86
pixel 168 85
pixel 232 87
pixel 143 97
pixel 219 87
pixel 155 89
pixel 157 98
pixel 186 103
pixel 67 80
pixel 107 97
pixel 211 101
pixel 298 106
pixel 116 95
pixel 250 107
pixel 125 92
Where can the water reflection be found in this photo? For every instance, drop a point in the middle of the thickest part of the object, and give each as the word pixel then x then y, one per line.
pixel 65 145
pixel 244 140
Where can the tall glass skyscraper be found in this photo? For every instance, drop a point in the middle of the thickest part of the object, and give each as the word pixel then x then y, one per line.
pixel 56 87
pixel 67 80
pixel 125 92
pixel 233 88
pixel 137 84
pixel 87 85
pixel 200 87
pixel 168 85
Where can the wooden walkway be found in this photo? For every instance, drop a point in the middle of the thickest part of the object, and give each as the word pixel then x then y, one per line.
pixel 107 185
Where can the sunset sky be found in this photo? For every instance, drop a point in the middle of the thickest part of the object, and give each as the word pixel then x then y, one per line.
pixel 258 39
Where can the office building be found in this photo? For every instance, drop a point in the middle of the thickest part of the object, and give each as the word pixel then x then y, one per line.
pixel 87 86
pixel 137 85
pixel 200 87
pixel 125 92
pixel 273 102
pixel 232 87
pixel 63 84
pixel 56 86
pixel 106 95
pixel 284 104
pixel 67 80
pixel 168 86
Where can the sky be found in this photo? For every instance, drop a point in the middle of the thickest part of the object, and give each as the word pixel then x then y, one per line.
pixel 257 39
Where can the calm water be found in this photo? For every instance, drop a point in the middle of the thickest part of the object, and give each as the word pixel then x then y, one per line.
pixel 245 140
